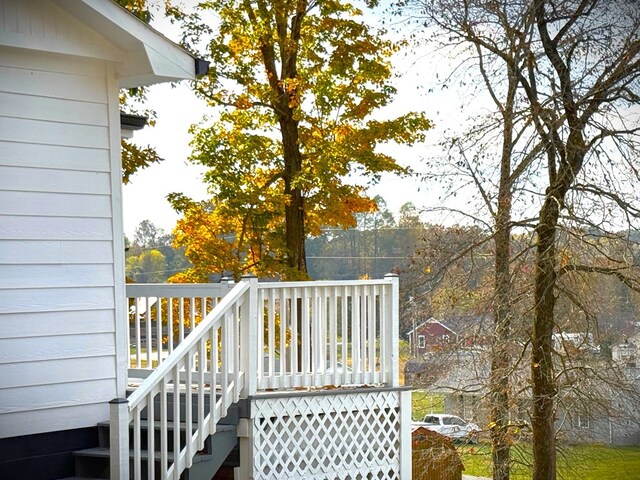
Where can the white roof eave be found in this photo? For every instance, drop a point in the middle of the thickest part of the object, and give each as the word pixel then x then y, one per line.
pixel 150 57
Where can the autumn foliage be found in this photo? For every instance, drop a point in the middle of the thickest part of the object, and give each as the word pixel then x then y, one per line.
pixel 297 86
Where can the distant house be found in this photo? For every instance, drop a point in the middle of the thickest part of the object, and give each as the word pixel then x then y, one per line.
pixel 430 335
pixel 609 414
pixel 606 410
pixel 627 352
pixel 464 383
pixel 566 343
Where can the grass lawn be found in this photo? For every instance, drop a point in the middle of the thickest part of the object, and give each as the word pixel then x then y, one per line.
pixel 423 402
pixel 585 462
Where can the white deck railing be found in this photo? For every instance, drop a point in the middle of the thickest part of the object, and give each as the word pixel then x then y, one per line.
pixel 326 333
pixel 161 315
pixel 256 337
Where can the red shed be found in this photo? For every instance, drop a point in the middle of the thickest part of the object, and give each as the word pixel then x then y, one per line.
pixel 430 335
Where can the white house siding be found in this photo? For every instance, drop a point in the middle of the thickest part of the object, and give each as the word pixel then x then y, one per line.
pixel 58 269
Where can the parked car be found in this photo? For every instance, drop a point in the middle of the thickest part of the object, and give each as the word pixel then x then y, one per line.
pixel 451 426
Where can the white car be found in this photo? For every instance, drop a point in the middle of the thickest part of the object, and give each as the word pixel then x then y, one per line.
pixel 451 426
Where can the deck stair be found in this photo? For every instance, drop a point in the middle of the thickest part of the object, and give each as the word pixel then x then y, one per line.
pixel 93 463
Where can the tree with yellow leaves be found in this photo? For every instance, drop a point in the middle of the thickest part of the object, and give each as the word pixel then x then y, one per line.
pixel 299 85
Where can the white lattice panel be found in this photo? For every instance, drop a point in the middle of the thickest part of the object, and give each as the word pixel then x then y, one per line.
pixel 343 436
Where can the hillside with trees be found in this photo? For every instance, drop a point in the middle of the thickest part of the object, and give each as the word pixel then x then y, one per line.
pixel 151 257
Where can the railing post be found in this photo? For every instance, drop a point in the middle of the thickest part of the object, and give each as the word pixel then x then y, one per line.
pixel 405 435
pixel 229 282
pixel 393 329
pixel 249 336
pixel 119 438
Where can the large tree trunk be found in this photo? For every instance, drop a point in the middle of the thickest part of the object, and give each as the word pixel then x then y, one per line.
pixel 294 210
pixel 542 370
pixel 283 103
pixel 569 157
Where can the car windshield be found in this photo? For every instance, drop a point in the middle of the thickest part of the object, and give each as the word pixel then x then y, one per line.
pixel 432 420
pixel 453 421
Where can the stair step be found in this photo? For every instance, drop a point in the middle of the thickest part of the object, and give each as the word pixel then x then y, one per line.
pixel 100 452
pixel 93 463
pixel 144 424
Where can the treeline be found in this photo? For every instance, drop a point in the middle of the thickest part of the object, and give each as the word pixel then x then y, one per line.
pixel 445 272
pixel 449 276
pixel 379 244
pixel 151 257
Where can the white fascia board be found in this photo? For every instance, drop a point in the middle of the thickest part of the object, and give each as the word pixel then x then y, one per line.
pixel 160 68
pixel 150 57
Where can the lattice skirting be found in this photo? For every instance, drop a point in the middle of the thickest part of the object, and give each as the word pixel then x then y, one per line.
pixel 355 435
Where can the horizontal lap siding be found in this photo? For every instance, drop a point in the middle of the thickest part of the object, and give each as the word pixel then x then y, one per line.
pixel 58 252
pixel 55 299
pixel 33 349
pixel 55 396
pixel 57 305
pixel 21 423
pixel 43 276
pixel 21 179
pixel 71 370
pixel 61 228
pixel 55 204
pixel 42 324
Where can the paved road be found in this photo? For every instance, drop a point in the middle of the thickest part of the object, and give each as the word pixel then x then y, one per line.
pixel 471 477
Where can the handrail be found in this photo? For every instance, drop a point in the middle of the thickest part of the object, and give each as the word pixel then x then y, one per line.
pixel 185 289
pixel 206 366
pixel 321 283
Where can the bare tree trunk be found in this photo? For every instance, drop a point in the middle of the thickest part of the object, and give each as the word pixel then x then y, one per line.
pixel 565 162
pixel 542 370
pixel 500 361
pixel 500 352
